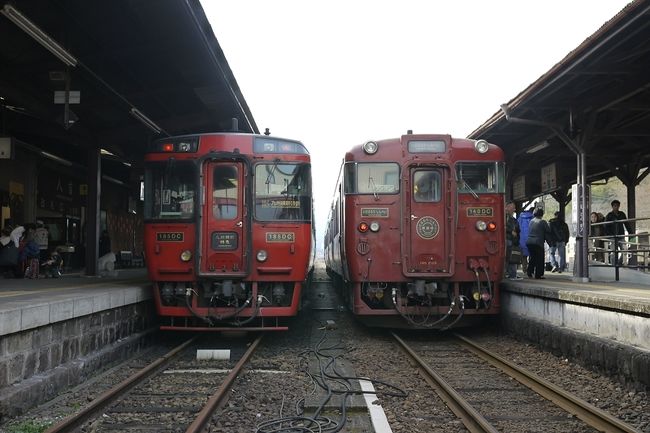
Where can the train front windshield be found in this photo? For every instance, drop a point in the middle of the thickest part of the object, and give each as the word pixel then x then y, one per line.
pixel 481 177
pixel 283 192
pixel 169 190
pixel 371 178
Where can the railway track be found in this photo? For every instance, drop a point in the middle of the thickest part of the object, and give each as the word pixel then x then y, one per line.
pixel 170 394
pixel 470 388
pixel 276 387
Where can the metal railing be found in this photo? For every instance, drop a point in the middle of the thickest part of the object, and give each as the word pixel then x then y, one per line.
pixel 631 251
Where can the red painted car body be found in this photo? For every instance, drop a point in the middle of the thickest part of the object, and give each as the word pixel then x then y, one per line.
pixel 415 235
pixel 229 240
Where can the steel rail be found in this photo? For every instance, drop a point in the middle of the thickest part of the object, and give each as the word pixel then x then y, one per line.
pixel 213 402
pixel 590 414
pixel 471 418
pixel 74 421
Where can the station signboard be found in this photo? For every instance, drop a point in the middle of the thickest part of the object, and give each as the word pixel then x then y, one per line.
pixel 549 177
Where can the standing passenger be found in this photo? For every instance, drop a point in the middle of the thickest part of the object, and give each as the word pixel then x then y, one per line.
pixel 597 231
pixel 538 232
pixel 104 244
pixel 42 236
pixel 560 231
pixel 512 239
pixel 616 228
pixel 30 254
pixel 524 220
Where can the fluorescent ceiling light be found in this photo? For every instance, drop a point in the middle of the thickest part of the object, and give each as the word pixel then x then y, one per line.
pixel 56 158
pixel 543 145
pixel 112 156
pixel 145 120
pixel 39 35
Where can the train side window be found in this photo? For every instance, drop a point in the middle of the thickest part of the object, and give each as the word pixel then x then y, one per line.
pixel 426 186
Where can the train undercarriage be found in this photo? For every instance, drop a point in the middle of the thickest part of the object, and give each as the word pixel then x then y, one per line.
pixel 212 304
pixel 425 304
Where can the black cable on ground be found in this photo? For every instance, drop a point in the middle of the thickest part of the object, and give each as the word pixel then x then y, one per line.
pixel 332 382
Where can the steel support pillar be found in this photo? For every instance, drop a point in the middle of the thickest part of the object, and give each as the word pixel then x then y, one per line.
pixel 93 210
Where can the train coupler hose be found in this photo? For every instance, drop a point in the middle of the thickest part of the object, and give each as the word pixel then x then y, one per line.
pixel 461 301
pixel 424 323
pixel 188 304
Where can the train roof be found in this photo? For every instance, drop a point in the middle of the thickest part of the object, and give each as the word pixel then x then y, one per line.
pixel 395 148
pixel 204 134
pixel 258 142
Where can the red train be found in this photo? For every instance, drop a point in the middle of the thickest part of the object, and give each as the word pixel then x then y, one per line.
pixel 229 239
pixel 415 236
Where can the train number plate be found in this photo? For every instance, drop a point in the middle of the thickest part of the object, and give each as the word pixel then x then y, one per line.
pixel 169 236
pixel 280 237
pixel 374 212
pixel 224 241
pixel 480 212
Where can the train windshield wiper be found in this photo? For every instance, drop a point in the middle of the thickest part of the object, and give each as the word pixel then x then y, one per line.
pixel 469 188
pixel 371 183
pixel 271 177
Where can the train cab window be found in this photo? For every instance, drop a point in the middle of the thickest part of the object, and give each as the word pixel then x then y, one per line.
pixel 169 189
pixel 480 177
pixel 426 186
pixel 371 178
pixel 225 192
pixel 283 191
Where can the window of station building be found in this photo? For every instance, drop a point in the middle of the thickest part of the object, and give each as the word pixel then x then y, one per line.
pixel 283 191
pixel 169 190
pixel 371 178
pixel 480 177
pixel 426 186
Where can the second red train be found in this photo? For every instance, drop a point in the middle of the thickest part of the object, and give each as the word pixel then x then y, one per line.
pixel 415 236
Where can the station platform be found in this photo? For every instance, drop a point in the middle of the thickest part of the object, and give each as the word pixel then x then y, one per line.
pixel 55 332
pixel 602 324
pixel 30 303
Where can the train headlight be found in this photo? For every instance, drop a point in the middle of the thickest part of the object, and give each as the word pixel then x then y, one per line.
pixel 481 226
pixel 186 256
pixel 374 226
pixel 370 147
pixel 492 226
pixel 481 146
pixel 262 255
pixel 363 227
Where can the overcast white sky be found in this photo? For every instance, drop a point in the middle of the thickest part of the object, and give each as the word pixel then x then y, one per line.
pixel 336 73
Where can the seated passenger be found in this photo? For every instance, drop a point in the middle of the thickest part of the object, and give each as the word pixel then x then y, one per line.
pixel 52 266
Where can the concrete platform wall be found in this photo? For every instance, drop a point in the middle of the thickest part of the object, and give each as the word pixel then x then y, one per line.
pixel 37 363
pixel 609 341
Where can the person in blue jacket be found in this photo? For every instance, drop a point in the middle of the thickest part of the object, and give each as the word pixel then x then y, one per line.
pixel 539 232
pixel 524 221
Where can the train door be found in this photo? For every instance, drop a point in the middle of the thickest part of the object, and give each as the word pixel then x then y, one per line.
pixel 225 227
pixel 426 243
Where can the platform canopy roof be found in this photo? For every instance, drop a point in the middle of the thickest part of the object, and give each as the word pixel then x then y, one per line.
pixel 597 97
pixel 136 70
